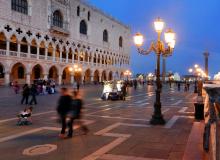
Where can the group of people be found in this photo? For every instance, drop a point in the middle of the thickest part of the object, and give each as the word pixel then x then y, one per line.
pixel 69 109
pixel 186 86
pixel 29 91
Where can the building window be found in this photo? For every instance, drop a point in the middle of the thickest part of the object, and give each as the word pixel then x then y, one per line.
pixel 20 6
pixel 58 19
pixel 105 35
pixel 83 27
pixel 78 11
pixel 120 42
pixel 89 15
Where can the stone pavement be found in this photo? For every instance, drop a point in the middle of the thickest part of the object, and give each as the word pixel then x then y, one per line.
pixel 119 130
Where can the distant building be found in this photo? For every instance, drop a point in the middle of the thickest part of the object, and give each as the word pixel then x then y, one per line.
pixel 42 39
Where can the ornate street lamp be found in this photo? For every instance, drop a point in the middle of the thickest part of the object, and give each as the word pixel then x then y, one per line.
pixel 161 49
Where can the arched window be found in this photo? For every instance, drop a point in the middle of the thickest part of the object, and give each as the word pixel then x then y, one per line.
pixel 83 27
pixel 105 35
pixel 120 42
pixel 20 6
pixel 78 11
pixel 20 72
pixel 58 19
pixel 89 15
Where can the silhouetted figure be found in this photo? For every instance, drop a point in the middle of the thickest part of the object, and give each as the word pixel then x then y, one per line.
pixel 25 94
pixel 77 106
pixel 179 85
pixel 33 93
pixel 64 106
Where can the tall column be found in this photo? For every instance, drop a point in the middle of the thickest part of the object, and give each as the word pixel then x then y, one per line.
pixel 54 54
pixel 164 69
pixel 100 77
pixel 19 47
pixel 46 52
pixel 45 76
pixel 29 50
pixel 7 47
pixel 72 78
pixel 83 77
pixel 28 78
pixel 38 52
pixel 61 54
pixel 67 56
pixel 206 54
pixel 7 78
pixel 60 79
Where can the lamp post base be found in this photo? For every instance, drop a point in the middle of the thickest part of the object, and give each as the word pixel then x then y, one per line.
pixel 157 120
pixel 157 117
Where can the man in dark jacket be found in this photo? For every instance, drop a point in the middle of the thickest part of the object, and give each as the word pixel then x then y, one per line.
pixel 33 93
pixel 64 106
pixel 25 94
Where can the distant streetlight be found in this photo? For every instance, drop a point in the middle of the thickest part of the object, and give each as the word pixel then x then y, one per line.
pixel 160 48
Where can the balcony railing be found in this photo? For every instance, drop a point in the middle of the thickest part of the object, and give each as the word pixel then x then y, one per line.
pixel 35 57
pixel 64 29
pixel 3 52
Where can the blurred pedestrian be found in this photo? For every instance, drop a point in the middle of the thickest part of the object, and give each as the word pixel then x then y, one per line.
pixel 33 93
pixel 64 106
pixel 77 108
pixel 25 94
pixel 179 85
pixel 16 87
pixel 124 91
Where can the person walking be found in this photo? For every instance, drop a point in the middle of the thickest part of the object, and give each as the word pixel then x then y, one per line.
pixel 77 106
pixel 16 87
pixel 179 85
pixel 33 93
pixel 123 90
pixel 63 108
pixel 25 94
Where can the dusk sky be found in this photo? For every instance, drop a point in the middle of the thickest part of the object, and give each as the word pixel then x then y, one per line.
pixel 196 23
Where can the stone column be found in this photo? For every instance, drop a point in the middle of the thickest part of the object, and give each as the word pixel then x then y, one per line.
pixel 72 78
pixel 83 77
pixel 38 52
pixel 28 78
pixel 45 76
pixel 7 78
pixel 100 77
pixel 46 53
pixel 7 47
pixel 29 51
pixel 19 47
pixel 206 54
pixel 61 54
pixel 60 79
pixel 92 78
pixel 72 57
pixel 54 54
pixel 67 56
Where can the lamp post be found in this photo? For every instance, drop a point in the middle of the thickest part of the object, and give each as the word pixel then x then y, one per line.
pixel 160 48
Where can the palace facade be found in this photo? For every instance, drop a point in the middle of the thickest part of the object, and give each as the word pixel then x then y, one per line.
pixel 44 39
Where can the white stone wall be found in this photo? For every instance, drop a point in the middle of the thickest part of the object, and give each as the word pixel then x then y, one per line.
pixel 38 21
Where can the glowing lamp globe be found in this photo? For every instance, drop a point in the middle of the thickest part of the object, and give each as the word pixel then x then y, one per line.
pixel 169 36
pixel 138 39
pixel 158 25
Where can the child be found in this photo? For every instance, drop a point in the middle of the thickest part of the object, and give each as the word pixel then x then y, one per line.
pixel 24 117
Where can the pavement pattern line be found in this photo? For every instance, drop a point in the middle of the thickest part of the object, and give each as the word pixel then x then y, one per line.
pixel 121 157
pixel 14 136
pixel 120 139
pixel 177 103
